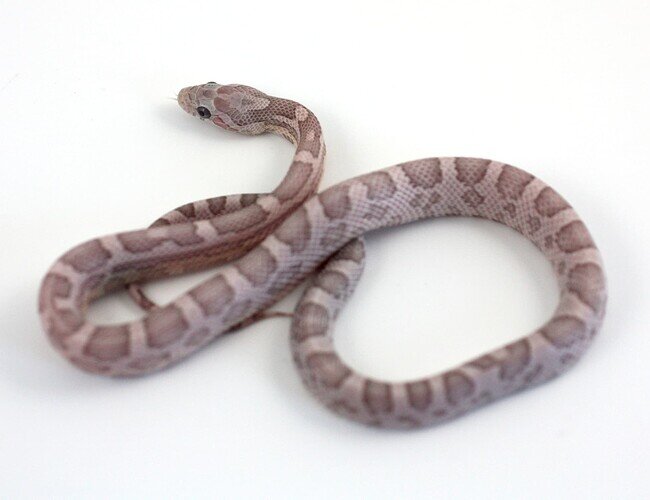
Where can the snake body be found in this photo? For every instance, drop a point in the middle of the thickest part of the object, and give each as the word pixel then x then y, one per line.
pixel 273 242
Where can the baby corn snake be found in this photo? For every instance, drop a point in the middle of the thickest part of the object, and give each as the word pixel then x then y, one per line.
pixel 269 243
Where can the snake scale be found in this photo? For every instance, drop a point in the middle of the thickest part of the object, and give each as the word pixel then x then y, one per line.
pixel 269 243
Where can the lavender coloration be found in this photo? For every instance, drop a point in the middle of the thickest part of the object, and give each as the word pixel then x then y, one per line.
pixel 272 242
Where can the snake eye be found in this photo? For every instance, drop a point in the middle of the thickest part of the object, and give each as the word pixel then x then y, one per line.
pixel 203 112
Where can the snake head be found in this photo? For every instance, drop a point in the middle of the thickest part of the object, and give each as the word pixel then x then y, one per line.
pixel 233 107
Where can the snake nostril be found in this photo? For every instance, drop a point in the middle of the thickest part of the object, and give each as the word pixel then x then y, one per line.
pixel 203 112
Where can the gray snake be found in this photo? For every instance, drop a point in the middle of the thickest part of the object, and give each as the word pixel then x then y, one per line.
pixel 270 243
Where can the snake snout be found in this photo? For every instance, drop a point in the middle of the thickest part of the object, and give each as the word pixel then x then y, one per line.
pixel 184 100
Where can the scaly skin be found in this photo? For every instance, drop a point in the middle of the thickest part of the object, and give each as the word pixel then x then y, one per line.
pixel 275 241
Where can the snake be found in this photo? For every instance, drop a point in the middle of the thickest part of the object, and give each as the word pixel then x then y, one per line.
pixel 267 244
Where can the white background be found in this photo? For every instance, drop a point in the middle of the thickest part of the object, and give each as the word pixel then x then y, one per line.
pixel 91 144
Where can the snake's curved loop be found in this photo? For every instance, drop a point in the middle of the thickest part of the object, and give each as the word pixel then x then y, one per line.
pixel 324 230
